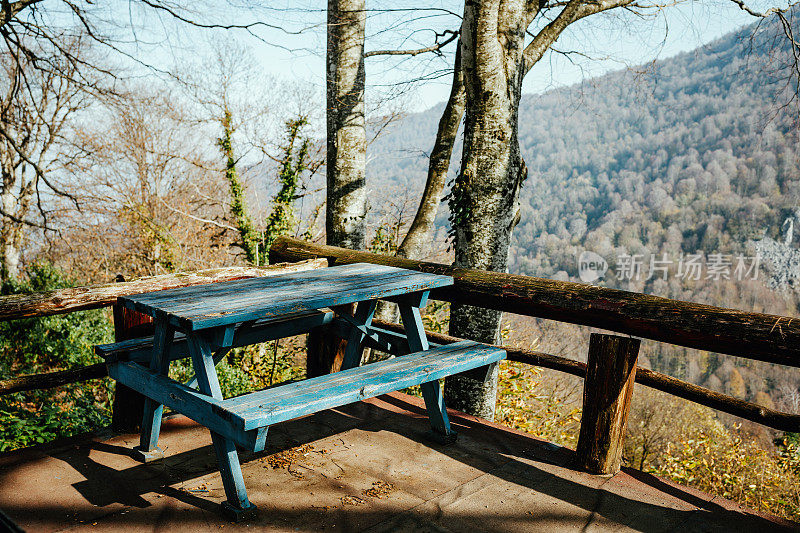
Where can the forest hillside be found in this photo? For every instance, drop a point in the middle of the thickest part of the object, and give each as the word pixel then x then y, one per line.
pixel 678 174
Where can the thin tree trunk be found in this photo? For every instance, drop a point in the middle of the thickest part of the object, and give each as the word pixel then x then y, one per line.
pixel 416 243
pixel 484 204
pixel 346 209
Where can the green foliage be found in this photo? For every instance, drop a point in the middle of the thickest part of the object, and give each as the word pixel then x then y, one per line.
pixel 74 410
pixel 789 450
pixel 45 344
pixel 386 239
pixel 294 162
pixel 281 220
pixel 458 200
pixel 251 368
pixel 248 234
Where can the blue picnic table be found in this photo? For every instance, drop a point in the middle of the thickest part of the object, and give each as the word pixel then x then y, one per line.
pixel 205 322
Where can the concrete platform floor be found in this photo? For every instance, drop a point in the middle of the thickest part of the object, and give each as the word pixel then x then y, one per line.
pixel 364 467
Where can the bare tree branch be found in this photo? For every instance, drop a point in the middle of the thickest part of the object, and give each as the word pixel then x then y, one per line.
pixel 37 168
pixel 572 12
pixel 453 35
pixel 9 10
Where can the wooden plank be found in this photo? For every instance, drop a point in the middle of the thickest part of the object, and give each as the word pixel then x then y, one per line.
pixel 224 447
pixel 268 407
pixel 607 392
pixel 202 409
pixel 159 363
pixel 16 306
pixel 260 331
pixel 251 299
pixel 195 308
pixel 323 383
pixel 128 405
pixel 358 323
pixel 431 391
pixel 49 380
pixel 771 338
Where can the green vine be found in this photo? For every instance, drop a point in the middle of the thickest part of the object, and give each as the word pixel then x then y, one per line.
pixel 248 234
pixel 294 162
pixel 282 218
pixel 460 204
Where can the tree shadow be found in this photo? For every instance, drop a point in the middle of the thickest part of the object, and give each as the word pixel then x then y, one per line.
pixel 640 501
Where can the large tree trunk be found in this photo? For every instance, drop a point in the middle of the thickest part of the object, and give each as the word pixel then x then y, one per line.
pixel 346 208
pixel 484 204
pixel 346 211
pixel 416 243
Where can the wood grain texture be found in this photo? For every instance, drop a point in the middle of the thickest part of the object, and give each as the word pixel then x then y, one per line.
pixel 771 338
pixel 199 407
pixel 49 380
pixel 297 399
pixel 201 307
pixel 96 296
pixel 139 350
pixel 607 393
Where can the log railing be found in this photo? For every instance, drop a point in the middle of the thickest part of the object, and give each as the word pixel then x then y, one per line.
pixel 93 297
pixel 770 338
pixel 758 336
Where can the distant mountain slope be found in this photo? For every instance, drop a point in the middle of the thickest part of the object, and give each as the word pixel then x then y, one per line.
pixel 686 158
pixel 678 159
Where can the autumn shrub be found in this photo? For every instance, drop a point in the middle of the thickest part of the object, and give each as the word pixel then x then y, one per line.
pixel 538 402
pixel 687 443
pixel 667 436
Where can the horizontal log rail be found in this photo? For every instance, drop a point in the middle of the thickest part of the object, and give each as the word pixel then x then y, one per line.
pixel 770 338
pixel 70 300
pixel 49 380
pixel 649 378
pixel 60 301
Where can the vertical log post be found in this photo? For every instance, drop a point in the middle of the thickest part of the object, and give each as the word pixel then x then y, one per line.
pixel 128 406
pixel 607 392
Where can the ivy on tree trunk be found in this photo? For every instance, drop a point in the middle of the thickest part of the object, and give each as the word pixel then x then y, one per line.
pixel 484 200
pixel 281 219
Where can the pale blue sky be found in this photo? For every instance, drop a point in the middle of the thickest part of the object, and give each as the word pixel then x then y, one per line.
pixel 292 48
pixel 611 42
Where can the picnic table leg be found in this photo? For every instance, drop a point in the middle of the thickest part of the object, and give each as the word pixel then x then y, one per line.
pixel 363 316
pixel 148 449
pixel 431 391
pixel 238 506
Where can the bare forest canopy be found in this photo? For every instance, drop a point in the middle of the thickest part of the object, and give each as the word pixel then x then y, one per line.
pixel 688 156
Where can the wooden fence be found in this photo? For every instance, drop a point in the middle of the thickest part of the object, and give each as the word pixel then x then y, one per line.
pixel 609 372
pixel 611 369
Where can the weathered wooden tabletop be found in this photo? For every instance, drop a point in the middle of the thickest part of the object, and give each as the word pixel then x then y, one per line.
pixel 220 304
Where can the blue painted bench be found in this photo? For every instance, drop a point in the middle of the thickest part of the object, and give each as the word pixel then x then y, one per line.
pixel 205 322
